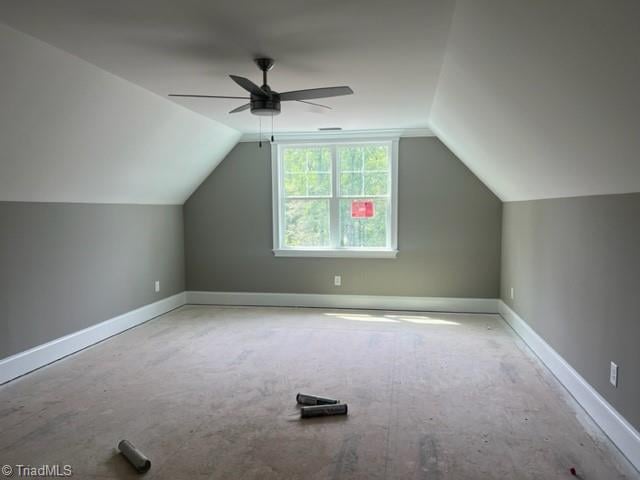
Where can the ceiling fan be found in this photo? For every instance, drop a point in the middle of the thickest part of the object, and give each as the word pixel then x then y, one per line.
pixel 264 101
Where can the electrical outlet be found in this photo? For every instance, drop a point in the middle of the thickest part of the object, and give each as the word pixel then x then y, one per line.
pixel 337 281
pixel 512 295
pixel 157 285
pixel 613 375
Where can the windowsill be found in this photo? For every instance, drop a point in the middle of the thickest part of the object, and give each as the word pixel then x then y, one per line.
pixel 335 253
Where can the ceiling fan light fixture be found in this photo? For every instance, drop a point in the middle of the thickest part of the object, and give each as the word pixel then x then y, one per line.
pixel 266 107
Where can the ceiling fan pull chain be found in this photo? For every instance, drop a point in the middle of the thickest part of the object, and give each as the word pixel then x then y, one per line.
pixel 260 132
pixel 271 126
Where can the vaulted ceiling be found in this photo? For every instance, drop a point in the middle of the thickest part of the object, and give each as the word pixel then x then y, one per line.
pixel 71 132
pixel 542 99
pixel 390 53
pixel 539 99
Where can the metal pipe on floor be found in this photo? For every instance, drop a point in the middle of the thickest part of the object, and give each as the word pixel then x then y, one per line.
pixel 323 410
pixel 136 458
pixel 304 399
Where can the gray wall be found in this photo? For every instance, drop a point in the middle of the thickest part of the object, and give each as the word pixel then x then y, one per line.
pixel 574 265
pixel 448 232
pixel 64 267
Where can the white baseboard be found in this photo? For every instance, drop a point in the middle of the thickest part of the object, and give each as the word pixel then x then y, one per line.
pixel 24 362
pixel 614 425
pixel 34 358
pixel 371 302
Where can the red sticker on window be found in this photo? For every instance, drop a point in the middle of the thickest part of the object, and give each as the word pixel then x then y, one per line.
pixel 362 209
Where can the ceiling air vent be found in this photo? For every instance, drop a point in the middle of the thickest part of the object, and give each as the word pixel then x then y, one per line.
pixel 330 129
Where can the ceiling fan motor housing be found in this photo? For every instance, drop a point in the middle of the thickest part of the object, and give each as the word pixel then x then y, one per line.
pixel 265 106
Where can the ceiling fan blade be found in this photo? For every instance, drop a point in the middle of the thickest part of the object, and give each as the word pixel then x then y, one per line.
pixel 314 104
pixel 249 86
pixel 312 93
pixel 241 108
pixel 206 96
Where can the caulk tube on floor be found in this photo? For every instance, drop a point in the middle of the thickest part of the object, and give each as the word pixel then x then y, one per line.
pixel 136 458
pixel 323 410
pixel 304 399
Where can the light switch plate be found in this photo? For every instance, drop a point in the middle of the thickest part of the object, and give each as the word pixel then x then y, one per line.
pixel 613 375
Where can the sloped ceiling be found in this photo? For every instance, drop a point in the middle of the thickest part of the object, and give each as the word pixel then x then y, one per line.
pixel 539 99
pixel 389 52
pixel 542 99
pixel 71 132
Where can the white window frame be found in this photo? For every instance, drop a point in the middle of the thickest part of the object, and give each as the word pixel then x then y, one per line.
pixel 335 250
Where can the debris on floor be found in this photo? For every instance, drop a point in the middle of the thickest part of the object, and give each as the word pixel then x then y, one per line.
pixel 323 410
pixel 135 457
pixel 304 399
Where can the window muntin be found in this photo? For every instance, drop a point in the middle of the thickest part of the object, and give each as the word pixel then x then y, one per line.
pixel 307 172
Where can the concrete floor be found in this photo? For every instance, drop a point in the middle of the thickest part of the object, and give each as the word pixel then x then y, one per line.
pixel 209 392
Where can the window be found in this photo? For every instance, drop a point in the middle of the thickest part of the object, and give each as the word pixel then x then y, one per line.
pixel 335 199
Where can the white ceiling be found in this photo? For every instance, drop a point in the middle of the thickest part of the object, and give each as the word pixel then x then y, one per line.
pixel 389 52
pixel 542 99
pixel 71 132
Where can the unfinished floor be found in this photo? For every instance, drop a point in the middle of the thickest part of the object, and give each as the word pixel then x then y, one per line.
pixel 209 392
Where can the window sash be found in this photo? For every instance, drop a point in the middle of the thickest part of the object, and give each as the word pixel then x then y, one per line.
pixel 388 213
pixel 325 221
